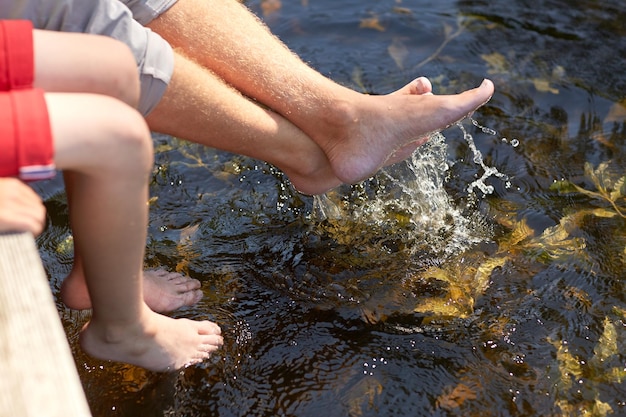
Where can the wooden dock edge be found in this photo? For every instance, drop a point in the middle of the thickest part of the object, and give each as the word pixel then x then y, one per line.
pixel 38 375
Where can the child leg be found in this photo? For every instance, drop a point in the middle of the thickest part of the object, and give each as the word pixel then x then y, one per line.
pixel 109 149
pixel 89 64
pixel 163 291
pixel 101 65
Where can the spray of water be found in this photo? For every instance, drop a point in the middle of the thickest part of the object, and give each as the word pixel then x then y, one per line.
pixel 399 244
pixel 408 203
pixel 478 159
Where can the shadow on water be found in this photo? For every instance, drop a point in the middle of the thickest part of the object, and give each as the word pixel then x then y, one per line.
pixel 407 294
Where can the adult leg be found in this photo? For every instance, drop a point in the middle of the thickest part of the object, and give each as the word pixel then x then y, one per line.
pixel 112 164
pixel 358 133
pixel 99 64
pixel 200 107
pixel 305 165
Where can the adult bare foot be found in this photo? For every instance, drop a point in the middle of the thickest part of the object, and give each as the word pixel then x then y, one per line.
pixel 418 86
pixel 163 291
pixel 155 342
pixel 324 178
pixel 362 134
pixel 308 170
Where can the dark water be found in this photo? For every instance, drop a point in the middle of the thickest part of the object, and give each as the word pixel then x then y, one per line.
pixel 508 304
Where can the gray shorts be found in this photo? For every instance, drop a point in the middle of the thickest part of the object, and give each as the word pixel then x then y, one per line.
pixel 154 56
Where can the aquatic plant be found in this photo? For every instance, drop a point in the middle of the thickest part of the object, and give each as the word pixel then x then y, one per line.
pixel 610 187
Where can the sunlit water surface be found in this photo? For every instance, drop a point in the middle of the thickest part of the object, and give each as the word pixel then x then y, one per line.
pixel 447 285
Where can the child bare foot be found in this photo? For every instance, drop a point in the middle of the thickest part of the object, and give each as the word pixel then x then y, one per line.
pixel 154 342
pixel 163 291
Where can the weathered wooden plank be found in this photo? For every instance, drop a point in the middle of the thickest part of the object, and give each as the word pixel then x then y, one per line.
pixel 38 374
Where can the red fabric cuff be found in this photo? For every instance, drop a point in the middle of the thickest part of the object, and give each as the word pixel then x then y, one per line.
pixel 8 137
pixel 17 66
pixel 26 146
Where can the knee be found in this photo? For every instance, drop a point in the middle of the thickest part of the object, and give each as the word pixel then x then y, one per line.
pixel 126 75
pixel 131 143
pixel 138 142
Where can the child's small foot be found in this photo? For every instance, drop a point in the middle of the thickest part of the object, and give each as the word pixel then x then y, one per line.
pixel 163 291
pixel 156 342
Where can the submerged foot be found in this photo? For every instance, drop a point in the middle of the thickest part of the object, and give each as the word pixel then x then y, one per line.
pixel 155 342
pixel 375 131
pixel 163 291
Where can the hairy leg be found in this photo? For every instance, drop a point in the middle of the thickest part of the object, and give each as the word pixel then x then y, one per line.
pixel 200 107
pixel 109 149
pixel 357 133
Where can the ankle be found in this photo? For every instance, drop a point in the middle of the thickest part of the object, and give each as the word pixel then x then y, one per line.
pixel 338 115
pixel 119 331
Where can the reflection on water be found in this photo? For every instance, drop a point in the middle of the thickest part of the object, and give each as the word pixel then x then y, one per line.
pixel 407 294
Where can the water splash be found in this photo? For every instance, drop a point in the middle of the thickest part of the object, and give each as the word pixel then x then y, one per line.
pixel 404 206
pixel 478 159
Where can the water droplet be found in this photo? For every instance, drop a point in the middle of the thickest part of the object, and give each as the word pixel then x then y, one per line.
pixel 478 159
pixel 484 129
